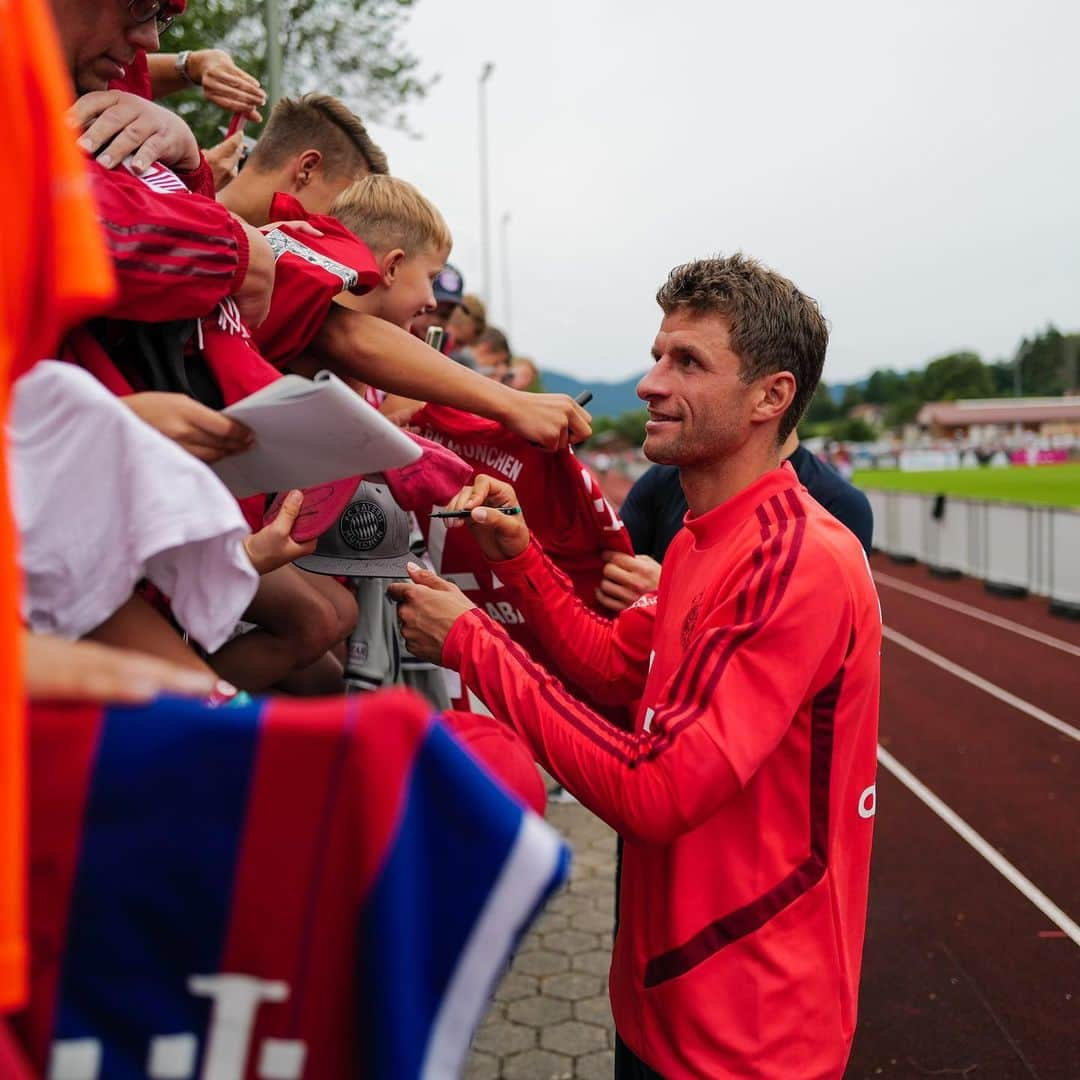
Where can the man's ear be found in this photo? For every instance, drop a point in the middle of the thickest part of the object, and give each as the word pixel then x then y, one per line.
pixel 306 165
pixel 390 265
pixel 777 392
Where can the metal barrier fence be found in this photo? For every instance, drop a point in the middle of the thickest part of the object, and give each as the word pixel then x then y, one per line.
pixel 1013 547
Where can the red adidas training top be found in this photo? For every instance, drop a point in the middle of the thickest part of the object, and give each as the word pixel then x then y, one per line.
pixel 745 794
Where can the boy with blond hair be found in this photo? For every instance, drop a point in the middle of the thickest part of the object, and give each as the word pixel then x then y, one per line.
pixel 365 338
pixel 409 239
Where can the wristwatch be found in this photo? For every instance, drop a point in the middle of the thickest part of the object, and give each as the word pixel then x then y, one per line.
pixel 181 65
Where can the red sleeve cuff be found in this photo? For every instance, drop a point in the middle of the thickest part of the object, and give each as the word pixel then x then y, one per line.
pixel 243 252
pixel 461 634
pixel 519 567
pixel 200 180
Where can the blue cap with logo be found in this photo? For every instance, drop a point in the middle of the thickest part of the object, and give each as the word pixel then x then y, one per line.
pixel 449 286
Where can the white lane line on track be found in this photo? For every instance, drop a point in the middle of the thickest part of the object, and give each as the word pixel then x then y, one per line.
pixel 976 613
pixel 982 684
pixel 982 846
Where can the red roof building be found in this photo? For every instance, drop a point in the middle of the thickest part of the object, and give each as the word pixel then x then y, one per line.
pixel 994 417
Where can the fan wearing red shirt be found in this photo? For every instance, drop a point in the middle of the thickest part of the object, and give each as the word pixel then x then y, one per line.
pixel 745 792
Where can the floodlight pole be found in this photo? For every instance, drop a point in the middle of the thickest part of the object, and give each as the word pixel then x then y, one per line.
pixel 504 237
pixel 272 23
pixel 485 230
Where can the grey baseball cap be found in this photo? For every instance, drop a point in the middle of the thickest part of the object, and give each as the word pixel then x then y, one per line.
pixel 369 539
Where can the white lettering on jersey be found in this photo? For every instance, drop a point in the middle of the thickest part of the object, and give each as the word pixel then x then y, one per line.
pixel 491 456
pixel 281 1059
pixel 75 1059
pixel 504 612
pixel 868 802
pixel 172 1056
pixel 236 1001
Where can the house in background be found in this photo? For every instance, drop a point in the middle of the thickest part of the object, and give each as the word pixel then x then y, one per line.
pixel 986 420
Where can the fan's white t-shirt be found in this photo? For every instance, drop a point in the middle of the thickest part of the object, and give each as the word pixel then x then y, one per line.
pixel 102 500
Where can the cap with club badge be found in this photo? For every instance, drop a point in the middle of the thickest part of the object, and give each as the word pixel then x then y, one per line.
pixel 448 285
pixel 369 539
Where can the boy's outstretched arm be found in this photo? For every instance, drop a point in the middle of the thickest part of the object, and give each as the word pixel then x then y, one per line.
pixel 352 343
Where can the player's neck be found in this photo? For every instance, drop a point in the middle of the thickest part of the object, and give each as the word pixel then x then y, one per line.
pixel 248 198
pixel 708 485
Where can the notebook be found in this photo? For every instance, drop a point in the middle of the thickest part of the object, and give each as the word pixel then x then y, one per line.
pixel 309 432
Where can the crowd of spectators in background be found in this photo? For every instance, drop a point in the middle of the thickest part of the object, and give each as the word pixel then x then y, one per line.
pixel 203 315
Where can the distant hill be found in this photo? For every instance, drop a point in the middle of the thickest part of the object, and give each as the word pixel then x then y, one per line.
pixel 837 390
pixel 609 399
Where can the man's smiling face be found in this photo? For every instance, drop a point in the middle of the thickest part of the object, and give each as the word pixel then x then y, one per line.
pixel 699 407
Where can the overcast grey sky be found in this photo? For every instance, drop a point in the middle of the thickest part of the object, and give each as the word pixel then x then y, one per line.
pixel 915 166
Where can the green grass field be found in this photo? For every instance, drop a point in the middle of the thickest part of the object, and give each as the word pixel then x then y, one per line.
pixel 1047 485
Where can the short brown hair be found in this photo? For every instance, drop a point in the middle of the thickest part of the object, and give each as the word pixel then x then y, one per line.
pixel 319 122
pixel 389 213
pixel 495 340
pixel 773 327
pixel 473 308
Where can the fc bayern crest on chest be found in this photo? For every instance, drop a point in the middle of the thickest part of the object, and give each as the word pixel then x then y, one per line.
pixel 691 621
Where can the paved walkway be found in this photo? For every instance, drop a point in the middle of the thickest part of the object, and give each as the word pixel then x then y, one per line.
pixel 550 1019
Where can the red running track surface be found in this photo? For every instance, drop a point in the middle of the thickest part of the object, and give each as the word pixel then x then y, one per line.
pixel 963 975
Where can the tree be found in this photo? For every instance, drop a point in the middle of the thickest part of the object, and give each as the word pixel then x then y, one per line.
pixel 631 426
pixel 1003 376
pixel 852 429
pixel 886 386
pixel 852 396
pixel 955 376
pixel 349 48
pixel 628 425
pixel 902 411
pixel 1048 363
pixel 822 408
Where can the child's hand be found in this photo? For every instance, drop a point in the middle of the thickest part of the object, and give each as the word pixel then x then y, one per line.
pixel 626 578
pixel 552 421
pixel 201 431
pixel 273 546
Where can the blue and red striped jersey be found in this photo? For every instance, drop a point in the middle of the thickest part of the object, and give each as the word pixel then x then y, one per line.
pixel 283 889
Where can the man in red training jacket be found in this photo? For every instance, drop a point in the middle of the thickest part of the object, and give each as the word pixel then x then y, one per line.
pixel 745 791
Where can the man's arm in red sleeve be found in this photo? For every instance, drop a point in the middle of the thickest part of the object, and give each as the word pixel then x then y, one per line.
pixel 200 181
pixel 723 711
pixel 608 656
pixel 175 255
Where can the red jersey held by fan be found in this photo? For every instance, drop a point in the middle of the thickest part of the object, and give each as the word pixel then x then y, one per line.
pixel 562 503
pixel 309 272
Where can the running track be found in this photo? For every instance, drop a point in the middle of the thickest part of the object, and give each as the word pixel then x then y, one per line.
pixel 972 960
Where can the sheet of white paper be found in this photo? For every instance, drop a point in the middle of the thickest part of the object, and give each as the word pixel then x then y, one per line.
pixel 310 432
